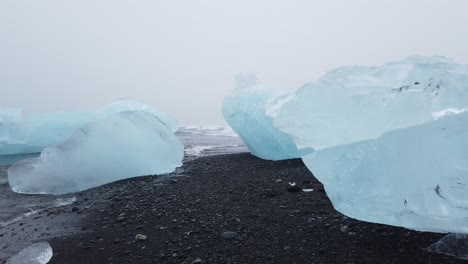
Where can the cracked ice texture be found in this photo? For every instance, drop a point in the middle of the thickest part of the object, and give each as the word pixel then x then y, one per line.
pixel 357 103
pixel 244 111
pixel 119 146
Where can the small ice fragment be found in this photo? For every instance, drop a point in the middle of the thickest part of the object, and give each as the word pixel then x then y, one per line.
pixel 455 245
pixel 39 253
pixel 292 184
pixel 307 190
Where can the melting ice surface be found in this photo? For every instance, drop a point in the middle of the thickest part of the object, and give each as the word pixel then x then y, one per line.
pixel 244 111
pixel 32 134
pixel 119 146
pixel 39 253
pixel 415 177
pixel 357 103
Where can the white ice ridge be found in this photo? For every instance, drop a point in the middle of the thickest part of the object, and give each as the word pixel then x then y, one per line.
pixel 39 253
pixel 245 112
pixel 357 103
pixel 31 134
pixel 119 146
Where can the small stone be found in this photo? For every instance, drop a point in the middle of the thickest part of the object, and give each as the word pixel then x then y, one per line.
pixel 140 237
pixel 173 181
pixel 278 181
pixel 344 229
pixel 197 260
pixel 229 235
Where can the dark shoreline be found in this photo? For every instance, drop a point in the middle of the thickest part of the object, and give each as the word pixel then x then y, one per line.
pixel 185 215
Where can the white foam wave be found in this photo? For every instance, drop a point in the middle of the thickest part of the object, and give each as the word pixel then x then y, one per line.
pixel 223 131
pixel 57 203
pixel 198 149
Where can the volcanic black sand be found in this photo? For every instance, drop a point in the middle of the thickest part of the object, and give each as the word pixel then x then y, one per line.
pixel 226 209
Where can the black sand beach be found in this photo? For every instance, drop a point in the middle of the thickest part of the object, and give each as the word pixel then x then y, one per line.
pixel 220 209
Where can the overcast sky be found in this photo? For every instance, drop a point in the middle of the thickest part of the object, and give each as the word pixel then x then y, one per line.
pixel 181 56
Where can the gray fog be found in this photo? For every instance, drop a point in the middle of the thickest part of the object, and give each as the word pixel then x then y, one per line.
pixel 181 56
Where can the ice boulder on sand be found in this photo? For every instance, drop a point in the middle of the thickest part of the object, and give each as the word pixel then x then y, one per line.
pixel 357 103
pixel 391 143
pixel 119 146
pixel 414 177
pixel 39 253
pixel 244 111
pixel 31 134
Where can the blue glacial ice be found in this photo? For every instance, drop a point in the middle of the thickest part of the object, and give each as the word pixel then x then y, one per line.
pixel 244 110
pixel 357 103
pixel 31 134
pixel 118 146
pixel 390 141
pixel 414 177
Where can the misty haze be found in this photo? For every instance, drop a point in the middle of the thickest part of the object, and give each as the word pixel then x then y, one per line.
pixel 233 131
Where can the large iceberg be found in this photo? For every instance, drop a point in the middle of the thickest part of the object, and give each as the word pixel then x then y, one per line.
pixel 31 134
pixel 414 177
pixel 244 111
pixel 122 145
pixel 357 103
pixel 391 143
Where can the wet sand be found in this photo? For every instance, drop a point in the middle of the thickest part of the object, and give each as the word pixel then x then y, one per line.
pixel 220 209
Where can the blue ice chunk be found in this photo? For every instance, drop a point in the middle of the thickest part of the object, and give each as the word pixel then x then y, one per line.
pixel 23 135
pixel 414 177
pixel 116 147
pixel 244 111
pixel 358 103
